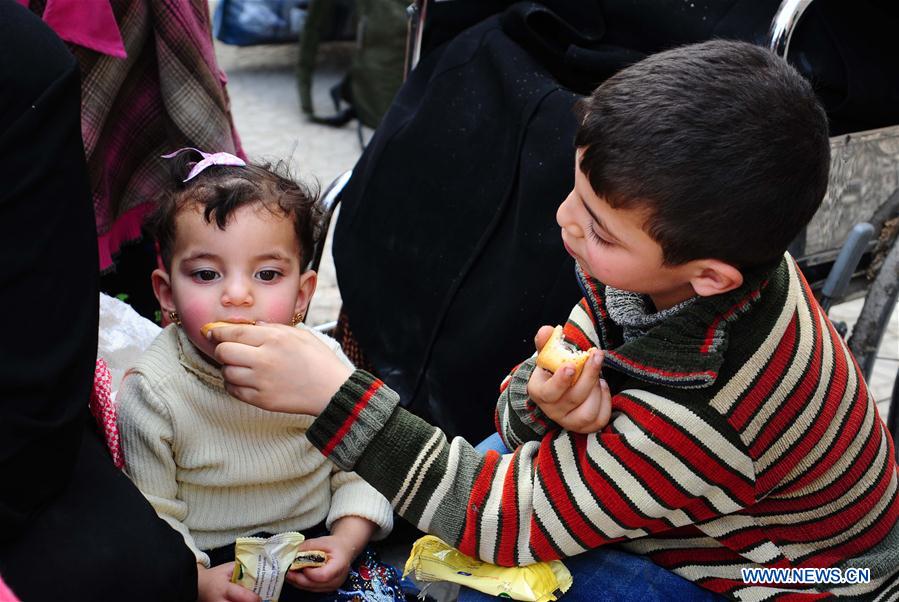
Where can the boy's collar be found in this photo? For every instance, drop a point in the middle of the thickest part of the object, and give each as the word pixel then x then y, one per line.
pixel 687 349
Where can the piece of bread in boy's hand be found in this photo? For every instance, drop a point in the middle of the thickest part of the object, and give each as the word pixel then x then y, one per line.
pixel 557 352
pixel 308 559
pixel 205 329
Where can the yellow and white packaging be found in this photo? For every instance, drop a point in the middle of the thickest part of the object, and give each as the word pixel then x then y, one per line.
pixel 260 564
pixel 434 560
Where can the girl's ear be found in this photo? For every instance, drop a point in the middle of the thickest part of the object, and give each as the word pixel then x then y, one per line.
pixel 162 288
pixel 308 281
pixel 715 277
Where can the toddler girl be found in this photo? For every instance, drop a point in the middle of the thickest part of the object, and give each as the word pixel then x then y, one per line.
pixel 234 240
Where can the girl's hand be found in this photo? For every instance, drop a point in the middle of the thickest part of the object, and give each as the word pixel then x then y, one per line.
pixel 583 406
pixel 325 578
pixel 349 535
pixel 278 367
pixel 214 585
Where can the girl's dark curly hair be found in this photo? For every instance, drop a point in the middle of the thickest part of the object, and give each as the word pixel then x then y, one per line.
pixel 221 189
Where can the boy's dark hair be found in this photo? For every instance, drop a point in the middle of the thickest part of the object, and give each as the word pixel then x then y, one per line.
pixel 723 143
pixel 219 190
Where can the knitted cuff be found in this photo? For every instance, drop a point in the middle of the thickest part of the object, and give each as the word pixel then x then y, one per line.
pixel 354 417
pixel 521 405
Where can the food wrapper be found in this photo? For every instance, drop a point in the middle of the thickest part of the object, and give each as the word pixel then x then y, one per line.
pixel 434 560
pixel 260 564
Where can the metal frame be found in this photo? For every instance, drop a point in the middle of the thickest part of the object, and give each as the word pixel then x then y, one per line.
pixel 417 12
pixel 328 204
pixel 784 24
pixel 863 187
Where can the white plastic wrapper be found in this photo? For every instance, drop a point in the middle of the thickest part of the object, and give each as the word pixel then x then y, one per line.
pixel 124 336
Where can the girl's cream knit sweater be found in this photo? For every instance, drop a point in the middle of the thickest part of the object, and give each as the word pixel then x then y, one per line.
pixel 216 468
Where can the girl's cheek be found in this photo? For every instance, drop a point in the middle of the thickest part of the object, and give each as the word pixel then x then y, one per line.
pixel 280 311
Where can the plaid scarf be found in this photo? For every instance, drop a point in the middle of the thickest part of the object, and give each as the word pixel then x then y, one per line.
pixel 167 94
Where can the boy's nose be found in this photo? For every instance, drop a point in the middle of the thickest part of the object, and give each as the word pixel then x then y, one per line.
pixel 237 292
pixel 567 219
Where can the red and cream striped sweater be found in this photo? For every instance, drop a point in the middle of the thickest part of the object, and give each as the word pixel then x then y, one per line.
pixel 742 436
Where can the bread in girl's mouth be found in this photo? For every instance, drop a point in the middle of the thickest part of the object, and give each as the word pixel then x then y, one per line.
pixel 209 326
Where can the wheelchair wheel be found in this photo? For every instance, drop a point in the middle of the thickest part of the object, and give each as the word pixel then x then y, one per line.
pixel 876 312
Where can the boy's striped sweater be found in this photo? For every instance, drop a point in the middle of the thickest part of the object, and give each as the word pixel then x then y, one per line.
pixel 742 436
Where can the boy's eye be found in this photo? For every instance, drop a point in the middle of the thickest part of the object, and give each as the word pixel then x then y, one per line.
pixel 268 275
pixel 205 275
pixel 602 241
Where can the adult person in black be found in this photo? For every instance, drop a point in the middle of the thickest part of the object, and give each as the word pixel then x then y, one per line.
pixel 72 527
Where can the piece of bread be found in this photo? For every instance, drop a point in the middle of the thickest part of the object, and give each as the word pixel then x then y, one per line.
pixel 307 559
pixel 204 330
pixel 557 352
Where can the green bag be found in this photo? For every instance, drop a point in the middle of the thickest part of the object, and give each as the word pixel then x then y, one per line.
pixel 376 69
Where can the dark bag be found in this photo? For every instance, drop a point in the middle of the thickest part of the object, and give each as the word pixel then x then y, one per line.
pixel 251 22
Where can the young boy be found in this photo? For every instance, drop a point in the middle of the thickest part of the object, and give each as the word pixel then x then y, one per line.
pixel 742 435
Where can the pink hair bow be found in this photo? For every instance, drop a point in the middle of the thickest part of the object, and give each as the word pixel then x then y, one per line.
pixel 208 159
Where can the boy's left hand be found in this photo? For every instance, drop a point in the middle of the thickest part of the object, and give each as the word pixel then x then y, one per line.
pixel 582 406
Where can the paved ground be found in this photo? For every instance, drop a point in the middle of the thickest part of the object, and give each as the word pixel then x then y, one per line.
pixel 265 106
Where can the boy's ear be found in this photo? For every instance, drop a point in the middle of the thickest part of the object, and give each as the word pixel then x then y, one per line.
pixel 162 288
pixel 308 281
pixel 715 277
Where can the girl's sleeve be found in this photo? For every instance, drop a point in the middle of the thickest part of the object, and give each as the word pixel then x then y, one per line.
pixel 659 465
pixel 352 496
pixel 145 427
pixel 334 346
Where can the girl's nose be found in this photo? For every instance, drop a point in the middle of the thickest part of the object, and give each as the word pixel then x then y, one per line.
pixel 566 217
pixel 237 292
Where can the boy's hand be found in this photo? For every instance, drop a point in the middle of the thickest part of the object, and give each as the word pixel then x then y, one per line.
pixel 349 535
pixel 278 368
pixel 583 406
pixel 214 585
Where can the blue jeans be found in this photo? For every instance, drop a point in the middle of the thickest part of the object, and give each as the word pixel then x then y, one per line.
pixel 492 442
pixel 608 573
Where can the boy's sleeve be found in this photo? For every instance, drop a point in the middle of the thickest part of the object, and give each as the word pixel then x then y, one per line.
pixel 518 418
pixel 352 496
pixel 145 427
pixel 658 466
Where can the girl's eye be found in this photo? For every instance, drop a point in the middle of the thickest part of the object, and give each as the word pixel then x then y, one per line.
pixel 205 275
pixel 268 275
pixel 600 240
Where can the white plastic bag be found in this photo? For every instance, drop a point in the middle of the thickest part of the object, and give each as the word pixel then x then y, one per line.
pixel 124 335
